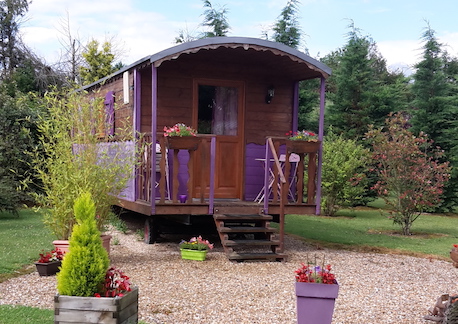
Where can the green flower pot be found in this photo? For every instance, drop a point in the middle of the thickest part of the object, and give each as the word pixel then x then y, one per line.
pixel 187 254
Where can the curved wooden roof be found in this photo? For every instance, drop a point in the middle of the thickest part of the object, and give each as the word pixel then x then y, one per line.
pixel 278 57
pixel 262 47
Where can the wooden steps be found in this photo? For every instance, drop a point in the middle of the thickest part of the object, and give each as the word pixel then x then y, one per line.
pixel 248 237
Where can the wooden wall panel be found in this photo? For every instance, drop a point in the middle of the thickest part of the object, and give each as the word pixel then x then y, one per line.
pixel 123 112
pixel 261 119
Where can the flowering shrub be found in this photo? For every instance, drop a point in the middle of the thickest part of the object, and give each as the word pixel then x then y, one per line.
pixel 196 243
pixel 302 136
pixel 54 255
pixel 116 284
pixel 179 129
pixel 315 274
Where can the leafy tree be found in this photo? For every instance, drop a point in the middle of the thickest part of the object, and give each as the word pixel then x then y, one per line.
pixel 434 106
pixel 216 20
pixel 287 30
pixel 99 63
pixel 412 177
pixel 342 175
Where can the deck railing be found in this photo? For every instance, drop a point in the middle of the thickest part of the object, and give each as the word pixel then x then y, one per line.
pixel 294 182
pixel 158 176
pixel 283 185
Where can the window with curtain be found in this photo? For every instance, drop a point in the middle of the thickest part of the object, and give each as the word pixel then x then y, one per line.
pixel 217 110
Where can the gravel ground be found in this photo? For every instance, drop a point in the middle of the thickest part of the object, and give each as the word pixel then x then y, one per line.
pixel 374 288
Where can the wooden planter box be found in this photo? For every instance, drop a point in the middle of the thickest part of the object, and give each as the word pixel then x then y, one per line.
pixel 48 269
pixel 107 310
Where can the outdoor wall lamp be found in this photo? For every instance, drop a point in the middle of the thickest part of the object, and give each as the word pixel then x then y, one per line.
pixel 270 94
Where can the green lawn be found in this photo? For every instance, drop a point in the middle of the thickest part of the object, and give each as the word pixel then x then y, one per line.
pixel 21 240
pixel 25 315
pixel 367 229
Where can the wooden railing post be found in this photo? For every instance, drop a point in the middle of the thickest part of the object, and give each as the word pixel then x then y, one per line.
pixel 283 190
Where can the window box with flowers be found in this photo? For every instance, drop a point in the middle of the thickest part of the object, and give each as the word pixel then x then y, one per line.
pixel 195 249
pixel 302 142
pixel 49 262
pixel 181 137
pixel 316 292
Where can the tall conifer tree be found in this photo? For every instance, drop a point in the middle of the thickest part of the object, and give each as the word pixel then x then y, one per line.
pixel 434 107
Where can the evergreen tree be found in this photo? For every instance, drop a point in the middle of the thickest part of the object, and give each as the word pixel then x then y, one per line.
pixel 216 20
pixel 286 29
pixel 11 12
pixel 100 63
pixel 434 106
pixel 85 265
pixel 365 92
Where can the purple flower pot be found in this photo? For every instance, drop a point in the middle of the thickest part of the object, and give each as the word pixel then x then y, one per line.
pixel 315 302
pixel 183 198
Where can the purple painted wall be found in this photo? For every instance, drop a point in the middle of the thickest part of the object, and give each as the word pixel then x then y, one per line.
pixel 254 170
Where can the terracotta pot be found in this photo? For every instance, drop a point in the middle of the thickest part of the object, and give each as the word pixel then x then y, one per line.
pixel 454 257
pixel 182 143
pixel 315 302
pixel 48 269
pixel 63 245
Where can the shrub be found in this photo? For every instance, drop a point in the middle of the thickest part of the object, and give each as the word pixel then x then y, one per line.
pixel 344 162
pixel 412 177
pixel 85 265
pixel 78 158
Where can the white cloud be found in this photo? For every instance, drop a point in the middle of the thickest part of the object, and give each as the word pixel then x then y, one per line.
pixel 400 52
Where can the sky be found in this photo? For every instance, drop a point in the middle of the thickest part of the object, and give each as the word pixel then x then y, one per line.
pixel 144 27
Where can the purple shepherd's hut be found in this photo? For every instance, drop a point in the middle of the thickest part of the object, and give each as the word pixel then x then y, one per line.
pixel 241 171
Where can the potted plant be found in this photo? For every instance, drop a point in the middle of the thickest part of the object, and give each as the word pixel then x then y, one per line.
pixel 181 137
pixel 316 291
pixel 74 159
pixel 85 277
pixel 49 262
pixel 302 142
pixel 454 255
pixel 195 249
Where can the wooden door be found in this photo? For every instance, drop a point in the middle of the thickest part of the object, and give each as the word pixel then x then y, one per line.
pixel 218 109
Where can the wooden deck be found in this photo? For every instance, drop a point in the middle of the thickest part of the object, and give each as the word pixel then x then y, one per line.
pixel 220 207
